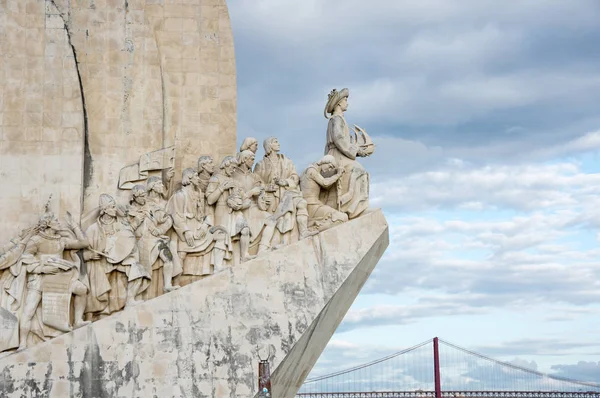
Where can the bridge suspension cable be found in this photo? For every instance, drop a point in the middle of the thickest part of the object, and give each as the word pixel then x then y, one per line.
pixel 463 373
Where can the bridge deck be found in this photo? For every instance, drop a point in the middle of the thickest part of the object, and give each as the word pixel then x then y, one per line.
pixel 452 394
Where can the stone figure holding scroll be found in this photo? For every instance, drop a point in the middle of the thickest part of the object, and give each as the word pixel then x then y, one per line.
pixel 52 277
pixel 113 262
pixel 316 179
pixel 351 195
pixel 151 224
pixel 12 284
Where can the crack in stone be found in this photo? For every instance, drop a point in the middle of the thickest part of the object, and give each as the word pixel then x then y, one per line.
pixel 87 157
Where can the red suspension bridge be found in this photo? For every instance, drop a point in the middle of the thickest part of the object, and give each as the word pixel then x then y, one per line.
pixel 439 369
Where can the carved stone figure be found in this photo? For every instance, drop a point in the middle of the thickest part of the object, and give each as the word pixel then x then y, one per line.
pixel 351 195
pixel 12 283
pixel 279 173
pixel 230 200
pixel 113 262
pixel 56 277
pixel 151 223
pixel 318 178
pixel 187 208
pixel 156 191
pixel 249 144
pixel 206 168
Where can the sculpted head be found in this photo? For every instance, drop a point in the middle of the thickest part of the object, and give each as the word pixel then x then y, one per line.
pixel 228 165
pixel 327 166
pixel 271 144
pixel 49 221
pixel 249 143
pixel 107 205
pixel 337 100
pixel 155 184
pixel 139 194
pixel 246 158
pixel 190 177
pixel 206 163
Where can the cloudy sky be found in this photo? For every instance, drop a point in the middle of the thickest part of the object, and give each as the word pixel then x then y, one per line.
pixel 486 116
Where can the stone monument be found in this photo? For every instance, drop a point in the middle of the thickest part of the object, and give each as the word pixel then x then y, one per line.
pixel 147 257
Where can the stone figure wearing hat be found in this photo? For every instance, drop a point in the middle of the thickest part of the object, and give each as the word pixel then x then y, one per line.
pixel 351 194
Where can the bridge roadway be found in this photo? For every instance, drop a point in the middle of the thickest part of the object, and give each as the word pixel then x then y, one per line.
pixel 452 394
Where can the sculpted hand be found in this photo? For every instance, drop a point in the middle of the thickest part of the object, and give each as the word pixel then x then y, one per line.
pixel 170 174
pixel 26 234
pixel 255 191
pixel 227 185
pixel 189 238
pixel 90 255
pixel 70 222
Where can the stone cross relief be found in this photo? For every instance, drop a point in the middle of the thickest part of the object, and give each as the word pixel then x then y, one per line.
pixel 58 275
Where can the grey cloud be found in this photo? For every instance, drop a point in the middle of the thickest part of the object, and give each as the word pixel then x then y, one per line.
pixel 398 315
pixel 538 346
pixel 477 81
pixel 588 371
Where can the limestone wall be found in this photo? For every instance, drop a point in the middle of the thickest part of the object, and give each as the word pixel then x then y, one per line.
pixel 86 87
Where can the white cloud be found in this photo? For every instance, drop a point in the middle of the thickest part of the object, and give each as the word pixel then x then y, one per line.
pixel 520 187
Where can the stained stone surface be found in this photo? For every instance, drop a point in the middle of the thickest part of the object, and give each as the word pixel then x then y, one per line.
pixel 100 83
pixel 202 340
pixel 41 116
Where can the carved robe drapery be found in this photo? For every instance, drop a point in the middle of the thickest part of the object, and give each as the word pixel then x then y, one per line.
pixel 247 180
pixel 153 216
pixel 12 284
pixel 351 194
pixel 320 215
pixel 187 208
pixel 286 198
pixel 109 279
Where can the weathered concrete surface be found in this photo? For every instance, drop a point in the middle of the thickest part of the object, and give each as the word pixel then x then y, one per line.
pixel 201 340
pixel 88 86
